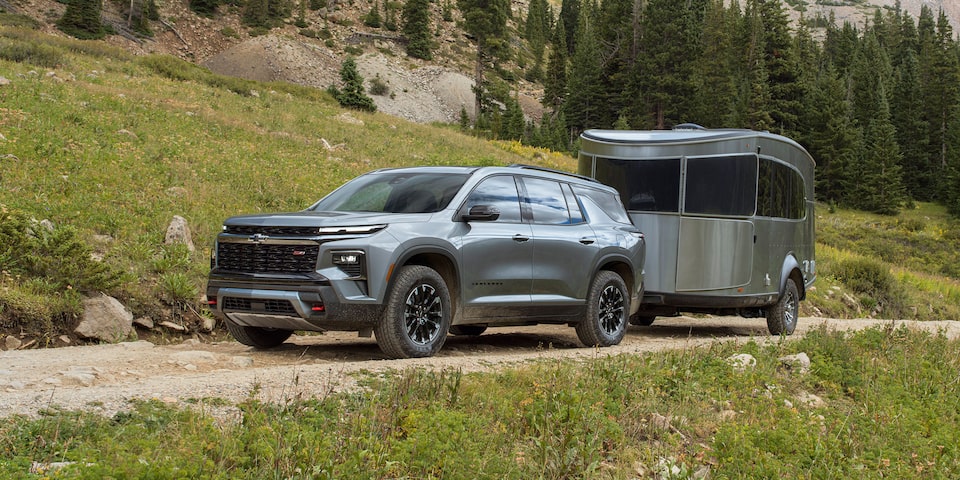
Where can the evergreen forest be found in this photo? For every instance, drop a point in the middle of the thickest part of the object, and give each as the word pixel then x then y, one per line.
pixel 876 104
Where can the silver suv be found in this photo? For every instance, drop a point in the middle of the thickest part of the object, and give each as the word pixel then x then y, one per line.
pixel 413 254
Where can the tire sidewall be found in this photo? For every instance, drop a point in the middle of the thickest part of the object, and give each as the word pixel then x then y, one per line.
pixel 391 333
pixel 787 304
pixel 590 330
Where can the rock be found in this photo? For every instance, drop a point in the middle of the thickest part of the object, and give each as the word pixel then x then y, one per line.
pixel 173 326
pixel 65 339
pixel 799 362
pixel 105 319
pixel 728 415
pixel 179 232
pixel 4 81
pixel 208 324
pixel 12 343
pixel 242 362
pixel 193 357
pixel 124 131
pixel 742 361
pixel 660 422
pixel 145 322
pixel 810 400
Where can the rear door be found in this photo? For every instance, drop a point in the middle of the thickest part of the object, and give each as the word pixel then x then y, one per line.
pixel 565 246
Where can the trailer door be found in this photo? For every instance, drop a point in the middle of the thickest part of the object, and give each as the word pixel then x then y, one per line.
pixel 715 248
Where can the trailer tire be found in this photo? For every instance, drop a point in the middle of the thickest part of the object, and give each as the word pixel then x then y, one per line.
pixel 782 317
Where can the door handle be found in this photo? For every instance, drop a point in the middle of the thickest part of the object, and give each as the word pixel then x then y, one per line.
pixel 588 240
pixel 520 238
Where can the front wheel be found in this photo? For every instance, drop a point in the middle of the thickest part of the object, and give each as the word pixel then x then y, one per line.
pixel 608 306
pixel 257 336
pixel 782 317
pixel 417 316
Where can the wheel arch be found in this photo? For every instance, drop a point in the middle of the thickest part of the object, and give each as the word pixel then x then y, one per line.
pixel 439 260
pixel 791 270
pixel 621 266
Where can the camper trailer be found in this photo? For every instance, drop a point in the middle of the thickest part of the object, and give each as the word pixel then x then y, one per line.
pixel 728 216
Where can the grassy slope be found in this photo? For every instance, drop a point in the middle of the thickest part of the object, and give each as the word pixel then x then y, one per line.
pixel 104 143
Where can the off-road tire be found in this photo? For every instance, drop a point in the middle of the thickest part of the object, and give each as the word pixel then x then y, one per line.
pixel 782 317
pixel 257 336
pixel 608 308
pixel 417 316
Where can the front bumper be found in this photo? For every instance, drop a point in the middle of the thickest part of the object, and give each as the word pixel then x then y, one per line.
pixel 288 305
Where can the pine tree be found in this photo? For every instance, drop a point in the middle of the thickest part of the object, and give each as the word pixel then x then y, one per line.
pixel 416 27
pixel 486 21
pixel 537 32
pixel 783 73
pixel 912 134
pixel 585 96
pixel 664 80
pixel 830 137
pixel 715 69
pixel 555 80
pixel 352 95
pixel 373 19
pixel 81 19
pixel 878 187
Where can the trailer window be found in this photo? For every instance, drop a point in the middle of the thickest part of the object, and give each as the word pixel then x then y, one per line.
pixel 644 185
pixel 780 191
pixel 721 185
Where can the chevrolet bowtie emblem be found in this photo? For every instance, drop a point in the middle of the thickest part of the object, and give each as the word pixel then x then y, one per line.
pixel 258 238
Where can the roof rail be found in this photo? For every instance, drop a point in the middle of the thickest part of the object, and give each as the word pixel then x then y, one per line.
pixel 688 126
pixel 552 170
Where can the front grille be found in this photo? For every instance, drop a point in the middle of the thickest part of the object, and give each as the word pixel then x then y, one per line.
pixel 267 258
pixel 278 231
pixel 280 307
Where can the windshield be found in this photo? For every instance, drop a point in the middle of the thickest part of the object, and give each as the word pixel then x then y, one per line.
pixel 394 192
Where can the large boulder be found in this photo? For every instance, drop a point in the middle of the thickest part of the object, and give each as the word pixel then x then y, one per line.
pixel 105 319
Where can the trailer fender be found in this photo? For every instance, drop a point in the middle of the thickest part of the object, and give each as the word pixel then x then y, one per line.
pixel 791 267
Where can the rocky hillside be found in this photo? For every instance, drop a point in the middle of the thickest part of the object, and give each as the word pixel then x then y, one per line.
pixel 417 90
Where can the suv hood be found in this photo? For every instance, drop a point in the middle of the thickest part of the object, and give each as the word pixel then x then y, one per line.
pixel 324 219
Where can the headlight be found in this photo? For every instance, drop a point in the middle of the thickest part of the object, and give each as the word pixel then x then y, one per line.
pixel 350 262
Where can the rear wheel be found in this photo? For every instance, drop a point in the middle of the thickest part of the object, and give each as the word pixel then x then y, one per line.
pixel 473 330
pixel 417 316
pixel 258 337
pixel 782 317
pixel 608 306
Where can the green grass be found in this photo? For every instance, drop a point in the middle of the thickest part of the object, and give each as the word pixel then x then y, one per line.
pixel 889 403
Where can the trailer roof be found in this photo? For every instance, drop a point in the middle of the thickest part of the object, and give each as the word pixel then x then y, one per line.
pixel 675 136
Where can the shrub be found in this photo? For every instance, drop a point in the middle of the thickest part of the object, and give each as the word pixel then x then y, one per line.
pixel 41 55
pixel 866 276
pixel 378 86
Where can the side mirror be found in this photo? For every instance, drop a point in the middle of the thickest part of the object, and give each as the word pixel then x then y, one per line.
pixel 482 213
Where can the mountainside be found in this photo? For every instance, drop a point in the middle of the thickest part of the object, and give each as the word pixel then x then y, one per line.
pixel 417 90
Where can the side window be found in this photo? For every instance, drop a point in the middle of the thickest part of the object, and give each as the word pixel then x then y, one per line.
pixel 547 202
pixel 721 185
pixel 499 191
pixel 609 202
pixel 576 214
pixel 644 185
pixel 780 191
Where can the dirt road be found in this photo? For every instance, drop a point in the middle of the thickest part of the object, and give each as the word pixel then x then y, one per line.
pixel 105 378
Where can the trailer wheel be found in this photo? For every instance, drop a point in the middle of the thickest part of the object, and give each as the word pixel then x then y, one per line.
pixel 256 336
pixel 608 306
pixel 782 317
pixel 417 316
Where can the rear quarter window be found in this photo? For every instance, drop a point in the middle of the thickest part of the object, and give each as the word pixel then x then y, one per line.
pixel 607 202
